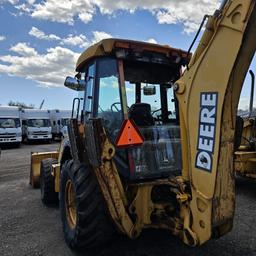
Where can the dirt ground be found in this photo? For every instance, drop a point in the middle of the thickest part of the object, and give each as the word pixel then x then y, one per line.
pixel 27 227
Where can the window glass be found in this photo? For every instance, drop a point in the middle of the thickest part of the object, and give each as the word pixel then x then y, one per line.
pixel 9 122
pixel 109 107
pixel 65 121
pixel 38 122
pixel 171 103
pixel 88 103
pixel 153 100
pixel 245 96
pixel 130 93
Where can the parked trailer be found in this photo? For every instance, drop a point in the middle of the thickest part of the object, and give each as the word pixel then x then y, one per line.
pixel 59 122
pixel 36 125
pixel 10 125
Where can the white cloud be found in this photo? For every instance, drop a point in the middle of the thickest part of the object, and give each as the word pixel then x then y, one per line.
pixel 76 40
pixel 23 8
pixel 9 1
pixel 86 16
pixel 31 2
pixel 64 10
pixel 41 35
pixel 72 40
pixel 189 13
pixel 152 41
pixel 2 38
pixel 186 12
pixel 24 49
pixel 49 69
pixel 99 35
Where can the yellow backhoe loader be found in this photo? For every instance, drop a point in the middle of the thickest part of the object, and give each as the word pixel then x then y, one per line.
pixel 149 147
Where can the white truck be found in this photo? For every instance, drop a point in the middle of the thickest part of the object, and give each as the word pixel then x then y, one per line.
pixel 10 125
pixel 59 122
pixel 36 125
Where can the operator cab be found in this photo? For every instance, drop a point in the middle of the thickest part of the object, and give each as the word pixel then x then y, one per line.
pixel 121 79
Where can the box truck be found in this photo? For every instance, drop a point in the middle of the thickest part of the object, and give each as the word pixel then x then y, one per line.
pixel 59 122
pixel 10 125
pixel 36 125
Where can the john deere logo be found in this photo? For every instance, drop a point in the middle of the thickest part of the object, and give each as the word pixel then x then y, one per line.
pixel 207 130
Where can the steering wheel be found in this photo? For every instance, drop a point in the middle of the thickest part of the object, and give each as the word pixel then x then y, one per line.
pixel 155 111
pixel 114 105
pixel 158 117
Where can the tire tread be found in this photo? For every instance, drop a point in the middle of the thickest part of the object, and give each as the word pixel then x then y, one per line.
pixel 94 227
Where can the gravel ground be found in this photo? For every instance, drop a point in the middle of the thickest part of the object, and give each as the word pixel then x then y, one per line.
pixel 27 227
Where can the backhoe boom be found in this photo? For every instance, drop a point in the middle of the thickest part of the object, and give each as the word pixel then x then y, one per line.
pixel 216 73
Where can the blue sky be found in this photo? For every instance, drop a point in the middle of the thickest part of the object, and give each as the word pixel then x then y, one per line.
pixel 41 40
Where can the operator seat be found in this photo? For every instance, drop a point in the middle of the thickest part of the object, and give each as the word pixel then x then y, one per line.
pixel 141 114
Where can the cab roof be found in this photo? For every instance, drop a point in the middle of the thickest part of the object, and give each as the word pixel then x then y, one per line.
pixel 107 47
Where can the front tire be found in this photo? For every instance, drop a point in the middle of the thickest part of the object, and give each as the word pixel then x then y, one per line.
pixel 47 182
pixel 86 223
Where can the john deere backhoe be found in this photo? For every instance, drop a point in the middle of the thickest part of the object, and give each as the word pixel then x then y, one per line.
pixel 152 148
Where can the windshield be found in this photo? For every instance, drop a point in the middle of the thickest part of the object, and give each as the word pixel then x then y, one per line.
pixel 65 121
pixel 9 122
pixel 38 122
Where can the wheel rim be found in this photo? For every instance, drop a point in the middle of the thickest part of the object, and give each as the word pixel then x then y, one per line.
pixel 70 204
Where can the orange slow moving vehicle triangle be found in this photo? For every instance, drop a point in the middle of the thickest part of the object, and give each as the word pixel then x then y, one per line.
pixel 129 135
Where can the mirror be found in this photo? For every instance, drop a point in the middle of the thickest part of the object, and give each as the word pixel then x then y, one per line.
pixel 149 90
pixel 74 84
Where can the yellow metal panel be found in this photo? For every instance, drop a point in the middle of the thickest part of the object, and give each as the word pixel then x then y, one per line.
pixel 106 46
pixel 56 174
pixel 36 159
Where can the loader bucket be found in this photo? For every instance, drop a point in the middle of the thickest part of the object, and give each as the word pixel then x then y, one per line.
pixel 36 159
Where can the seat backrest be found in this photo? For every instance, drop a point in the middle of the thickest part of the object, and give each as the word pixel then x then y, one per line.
pixel 141 114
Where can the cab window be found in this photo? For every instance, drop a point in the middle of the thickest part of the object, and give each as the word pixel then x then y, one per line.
pixel 88 97
pixel 109 106
pixel 171 104
pixel 153 100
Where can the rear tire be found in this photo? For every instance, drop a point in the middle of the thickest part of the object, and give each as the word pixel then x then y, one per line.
pixel 17 145
pixel 47 182
pixel 86 223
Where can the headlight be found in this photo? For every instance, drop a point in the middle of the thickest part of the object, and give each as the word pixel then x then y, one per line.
pixel 18 134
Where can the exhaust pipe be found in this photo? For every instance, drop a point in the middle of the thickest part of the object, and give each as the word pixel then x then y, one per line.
pixel 252 92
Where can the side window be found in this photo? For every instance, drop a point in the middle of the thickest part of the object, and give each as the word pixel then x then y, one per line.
pixel 171 104
pixel 109 107
pixel 88 99
pixel 130 93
